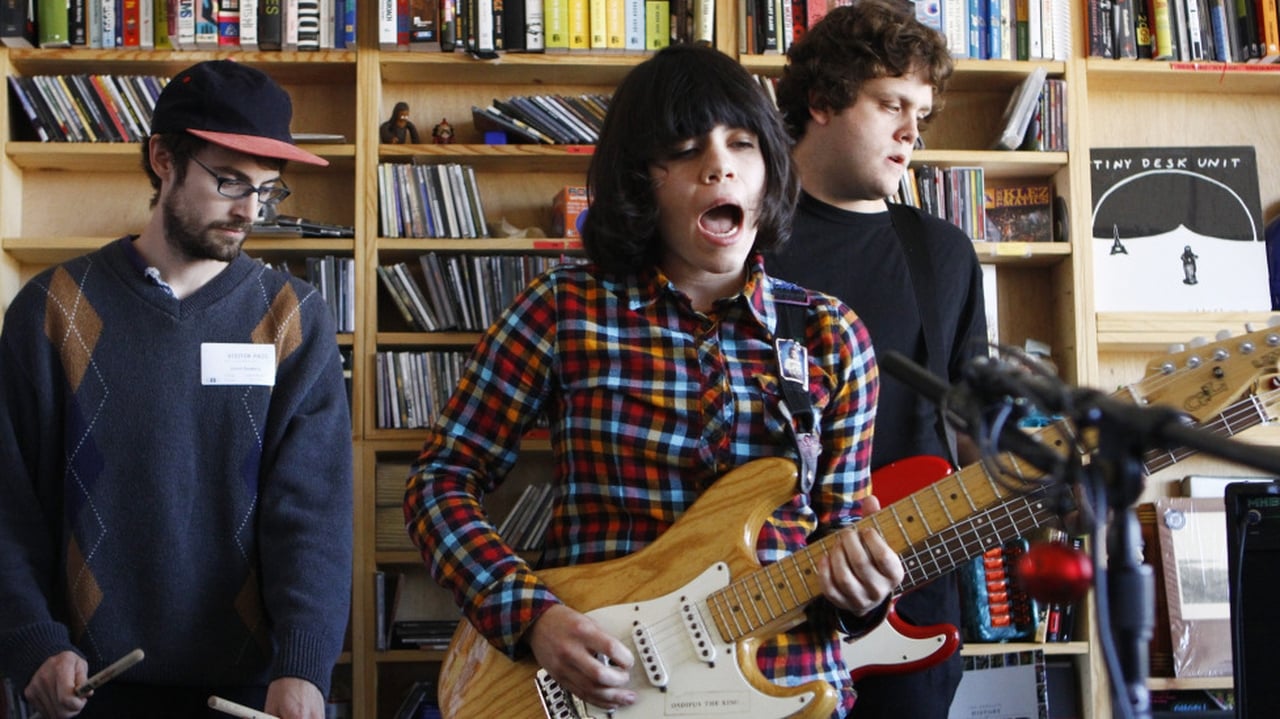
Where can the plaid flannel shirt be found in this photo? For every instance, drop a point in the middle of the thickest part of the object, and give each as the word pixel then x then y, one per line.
pixel 649 401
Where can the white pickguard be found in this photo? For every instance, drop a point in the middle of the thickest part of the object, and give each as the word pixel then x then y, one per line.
pixel 695 688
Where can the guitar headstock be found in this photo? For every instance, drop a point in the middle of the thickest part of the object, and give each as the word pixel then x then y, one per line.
pixel 1204 379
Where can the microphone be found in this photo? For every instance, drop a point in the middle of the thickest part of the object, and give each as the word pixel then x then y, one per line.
pixel 960 404
pixel 1054 572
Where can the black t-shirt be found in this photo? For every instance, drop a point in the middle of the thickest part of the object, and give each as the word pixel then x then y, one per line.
pixel 858 258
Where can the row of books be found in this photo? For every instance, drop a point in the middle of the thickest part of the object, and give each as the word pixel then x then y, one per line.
pixel 250 25
pixel 335 278
pixel 525 525
pixel 1002 29
pixel 955 194
pixel 463 292
pixel 88 108
pixel 411 389
pixel 487 27
pixel 548 119
pixel 1035 118
pixel 424 200
pixel 1000 211
pixel 1184 30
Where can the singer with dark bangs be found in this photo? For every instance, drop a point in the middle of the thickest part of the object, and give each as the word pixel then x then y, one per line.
pixel 658 367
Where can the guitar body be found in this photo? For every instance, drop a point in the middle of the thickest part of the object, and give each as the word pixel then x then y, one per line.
pixel 895 647
pixel 907 476
pixel 712 543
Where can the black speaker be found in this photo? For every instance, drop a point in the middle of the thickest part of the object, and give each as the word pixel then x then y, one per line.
pixel 1253 552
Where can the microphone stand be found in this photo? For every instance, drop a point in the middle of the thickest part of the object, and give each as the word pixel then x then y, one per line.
pixel 1114 479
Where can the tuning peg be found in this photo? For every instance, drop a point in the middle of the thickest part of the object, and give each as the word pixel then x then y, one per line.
pixel 1177 348
pixel 1198 342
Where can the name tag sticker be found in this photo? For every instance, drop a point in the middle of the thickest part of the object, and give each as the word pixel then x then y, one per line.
pixel 234 363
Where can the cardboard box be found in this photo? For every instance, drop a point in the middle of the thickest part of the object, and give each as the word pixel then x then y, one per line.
pixel 568 211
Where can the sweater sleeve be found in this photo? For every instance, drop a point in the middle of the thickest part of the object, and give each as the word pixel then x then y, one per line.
pixel 306 514
pixel 29 631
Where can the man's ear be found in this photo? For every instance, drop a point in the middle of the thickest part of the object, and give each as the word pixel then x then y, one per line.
pixel 817 113
pixel 161 158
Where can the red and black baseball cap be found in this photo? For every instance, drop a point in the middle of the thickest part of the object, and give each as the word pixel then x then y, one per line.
pixel 232 105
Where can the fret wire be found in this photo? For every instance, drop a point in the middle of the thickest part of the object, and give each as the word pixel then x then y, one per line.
pixel 943 502
pixel 737 610
pixel 924 521
pixel 902 527
pixel 763 589
pixel 782 565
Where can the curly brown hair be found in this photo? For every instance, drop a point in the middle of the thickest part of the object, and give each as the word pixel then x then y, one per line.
pixel 852 44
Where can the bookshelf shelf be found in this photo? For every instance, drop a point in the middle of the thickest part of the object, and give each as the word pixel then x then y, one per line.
pixel 516 244
pixel 1161 683
pixel 996 163
pixel 537 69
pixel 125 156
pixel 497 158
pixel 1024 254
pixel 1156 331
pixel 1185 77
pixel 287 67
pixel 50 250
pixel 1001 75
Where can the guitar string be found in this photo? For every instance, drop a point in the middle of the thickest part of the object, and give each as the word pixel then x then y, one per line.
pixel 1250 412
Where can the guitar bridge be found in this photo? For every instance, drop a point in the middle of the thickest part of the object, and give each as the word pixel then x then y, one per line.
pixel 558 703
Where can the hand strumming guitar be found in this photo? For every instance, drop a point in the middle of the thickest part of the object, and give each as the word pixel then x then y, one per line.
pixel 570 646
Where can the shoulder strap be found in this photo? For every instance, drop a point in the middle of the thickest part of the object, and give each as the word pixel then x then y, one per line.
pixel 909 228
pixel 792 303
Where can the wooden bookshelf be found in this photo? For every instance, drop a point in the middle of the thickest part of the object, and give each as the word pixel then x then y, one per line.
pixel 1045 290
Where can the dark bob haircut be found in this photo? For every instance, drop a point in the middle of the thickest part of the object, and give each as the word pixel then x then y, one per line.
pixel 682 92
pixel 855 43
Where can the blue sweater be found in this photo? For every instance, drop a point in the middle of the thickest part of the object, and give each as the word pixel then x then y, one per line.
pixel 209 525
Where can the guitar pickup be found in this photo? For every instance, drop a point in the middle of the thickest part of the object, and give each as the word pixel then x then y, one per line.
pixel 650 658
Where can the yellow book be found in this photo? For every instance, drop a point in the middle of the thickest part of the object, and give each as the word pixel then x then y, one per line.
pixel 598 19
pixel 658 28
pixel 579 25
pixel 615 25
pixel 556 18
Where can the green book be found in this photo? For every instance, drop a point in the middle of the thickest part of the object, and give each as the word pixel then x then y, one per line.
pixel 51 23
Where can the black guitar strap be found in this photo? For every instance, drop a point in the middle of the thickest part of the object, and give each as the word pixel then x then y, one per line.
pixel 909 228
pixel 793 372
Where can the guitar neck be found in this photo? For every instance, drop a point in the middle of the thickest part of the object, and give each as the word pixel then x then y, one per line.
pixel 933 530
pixel 937 528
pixel 1247 413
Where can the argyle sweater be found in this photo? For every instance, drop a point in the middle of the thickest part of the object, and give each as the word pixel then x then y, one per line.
pixel 207 524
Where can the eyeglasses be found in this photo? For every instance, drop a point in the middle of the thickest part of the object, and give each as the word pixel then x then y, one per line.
pixel 237 189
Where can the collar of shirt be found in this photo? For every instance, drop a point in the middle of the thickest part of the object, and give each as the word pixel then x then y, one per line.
pixel 651 284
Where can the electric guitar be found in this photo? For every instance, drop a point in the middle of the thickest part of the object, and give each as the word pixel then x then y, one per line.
pixel 1198 381
pixel 695 604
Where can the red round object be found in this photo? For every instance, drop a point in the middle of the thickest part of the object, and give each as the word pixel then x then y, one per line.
pixel 1054 572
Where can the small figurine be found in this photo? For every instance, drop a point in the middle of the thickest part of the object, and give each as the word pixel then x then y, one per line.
pixel 399 130
pixel 1189 266
pixel 442 134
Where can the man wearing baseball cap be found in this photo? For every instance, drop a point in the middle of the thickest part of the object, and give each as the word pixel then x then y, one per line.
pixel 175 441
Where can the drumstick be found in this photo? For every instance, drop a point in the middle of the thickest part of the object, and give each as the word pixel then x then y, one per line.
pixel 237 710
pixel 106 675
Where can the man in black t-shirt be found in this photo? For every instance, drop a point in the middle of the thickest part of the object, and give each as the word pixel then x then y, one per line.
pixel 855 92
